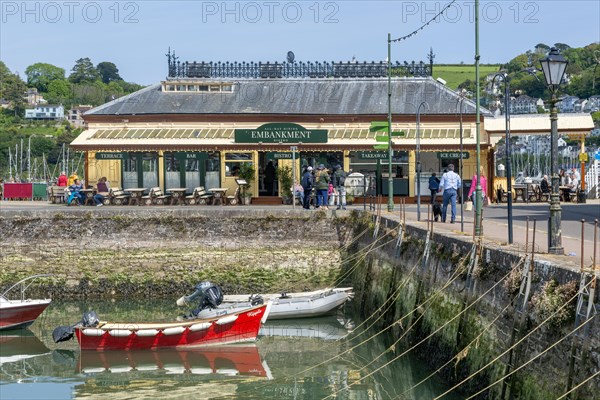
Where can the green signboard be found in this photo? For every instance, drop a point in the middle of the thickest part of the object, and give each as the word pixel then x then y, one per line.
pixel 281 133
pixel 112 156
pixel 280 156
pixel 378 155
pixel 191 156
pixel 454 155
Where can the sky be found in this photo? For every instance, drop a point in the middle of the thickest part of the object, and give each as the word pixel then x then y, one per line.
pixel 135 35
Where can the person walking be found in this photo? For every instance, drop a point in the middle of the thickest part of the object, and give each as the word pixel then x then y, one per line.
pixel 449 185
pixel 339 182
pixel 434 185
pixel 483 188
pixel 322 186
pixel 307 182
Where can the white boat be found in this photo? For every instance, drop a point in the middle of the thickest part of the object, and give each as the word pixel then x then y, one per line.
pixel 286 305
pixel 20 313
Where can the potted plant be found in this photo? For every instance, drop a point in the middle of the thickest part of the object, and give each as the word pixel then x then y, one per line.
pixel 246 172
pixel 284 174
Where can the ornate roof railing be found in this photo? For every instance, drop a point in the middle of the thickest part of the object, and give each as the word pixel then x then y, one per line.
pixel 178 69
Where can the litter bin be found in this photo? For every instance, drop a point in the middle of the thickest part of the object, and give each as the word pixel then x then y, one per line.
pixel 581 196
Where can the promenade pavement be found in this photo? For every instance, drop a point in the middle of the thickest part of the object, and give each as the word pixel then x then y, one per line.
pixel 495 223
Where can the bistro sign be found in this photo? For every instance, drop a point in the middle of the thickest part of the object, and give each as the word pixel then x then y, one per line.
pixel 281 133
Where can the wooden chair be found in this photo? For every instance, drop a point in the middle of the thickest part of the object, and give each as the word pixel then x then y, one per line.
pixel 194 198
pixel 535 194
pixel 205 197
pixel 573 195
pixel 235 199
pixel 117 197
pixel 156 196
pixel 501 195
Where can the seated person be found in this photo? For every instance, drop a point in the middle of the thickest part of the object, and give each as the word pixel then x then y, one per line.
pixel 573 183
pixel 544 186
pixel 102 188
pixel 75 189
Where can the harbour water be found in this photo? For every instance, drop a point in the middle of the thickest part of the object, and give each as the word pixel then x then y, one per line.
pixel 297 359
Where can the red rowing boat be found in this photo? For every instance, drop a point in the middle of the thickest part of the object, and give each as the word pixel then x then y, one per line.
pixel 231 328
pixel 16 314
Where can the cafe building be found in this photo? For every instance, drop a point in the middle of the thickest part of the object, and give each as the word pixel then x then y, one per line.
pixel 198 126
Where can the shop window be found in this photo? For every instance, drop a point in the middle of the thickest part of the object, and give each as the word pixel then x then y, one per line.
pixel 203 88
pixel 192 88
pixel 181 88
pixel 170 88
pixel 227 88
pixel 215 88
pixel 233 162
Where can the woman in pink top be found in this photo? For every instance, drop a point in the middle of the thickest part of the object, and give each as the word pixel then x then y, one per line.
pixel 474 186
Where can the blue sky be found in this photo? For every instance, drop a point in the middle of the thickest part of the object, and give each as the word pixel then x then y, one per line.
pixel 135 35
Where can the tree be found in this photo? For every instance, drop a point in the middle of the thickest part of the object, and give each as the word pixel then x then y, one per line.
pixel 108 72
pixel 59 92
pixel 542 48
pixel 40 75
pixel 12 89
pixel 83 71
pixel 562 46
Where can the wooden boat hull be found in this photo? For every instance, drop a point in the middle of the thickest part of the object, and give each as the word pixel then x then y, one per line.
pixel 234 328
pixel 294 305
pixel 18 314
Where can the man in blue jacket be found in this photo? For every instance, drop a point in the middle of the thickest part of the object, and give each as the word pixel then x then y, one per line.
pixel 308 181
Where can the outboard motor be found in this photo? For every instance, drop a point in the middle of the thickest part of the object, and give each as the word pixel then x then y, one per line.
pixel 63 333
pixel 207 294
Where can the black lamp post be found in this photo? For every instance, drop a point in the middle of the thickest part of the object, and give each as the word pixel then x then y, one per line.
pixel 553 67
pixel 506 80
pixel 418 163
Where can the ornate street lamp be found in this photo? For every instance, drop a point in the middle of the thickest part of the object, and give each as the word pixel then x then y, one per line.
pixel 553 67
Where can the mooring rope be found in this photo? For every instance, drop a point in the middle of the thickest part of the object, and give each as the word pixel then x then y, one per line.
pixel 510 348
pixel 521 261
pixel 451 280
pixel 579 385
pixel 389 302
pixel 531 360
pixel 418 343
pixel 457 355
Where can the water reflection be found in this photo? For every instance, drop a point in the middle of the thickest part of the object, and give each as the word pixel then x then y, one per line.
pixel 290 360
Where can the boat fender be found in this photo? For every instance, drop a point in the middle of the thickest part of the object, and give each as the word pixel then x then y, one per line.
pixel 147 332
pixel 93 332
pixel 173 331
pixel 200 327
pixel 119 332
pixel 226 320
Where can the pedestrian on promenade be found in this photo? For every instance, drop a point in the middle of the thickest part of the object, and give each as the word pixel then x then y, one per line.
pixel 322 186
pixel 339 181
pixel 449 185
pixel 434 185
pixel 308 181
pixel 474 186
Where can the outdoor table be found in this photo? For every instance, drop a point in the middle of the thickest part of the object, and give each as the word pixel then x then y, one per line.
pixel 522 191
pixel 565 193
pixel 219 195
pixel 136 195
pixel 89 195
pixel 178 195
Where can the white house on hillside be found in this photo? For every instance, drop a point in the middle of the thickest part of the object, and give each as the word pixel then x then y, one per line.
pixel 45 111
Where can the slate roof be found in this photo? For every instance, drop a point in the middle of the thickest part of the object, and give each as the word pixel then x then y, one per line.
pixel 301 96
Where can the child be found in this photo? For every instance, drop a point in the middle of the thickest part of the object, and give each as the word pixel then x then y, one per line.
pixel 331 194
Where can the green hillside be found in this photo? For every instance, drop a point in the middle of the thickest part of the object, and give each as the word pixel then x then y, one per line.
pixel 456 74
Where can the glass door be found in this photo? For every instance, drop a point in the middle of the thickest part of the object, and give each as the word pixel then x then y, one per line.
pixel 150 170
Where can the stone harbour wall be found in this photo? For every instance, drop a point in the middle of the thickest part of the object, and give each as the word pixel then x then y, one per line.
pixel 106 253
pixel 420 304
